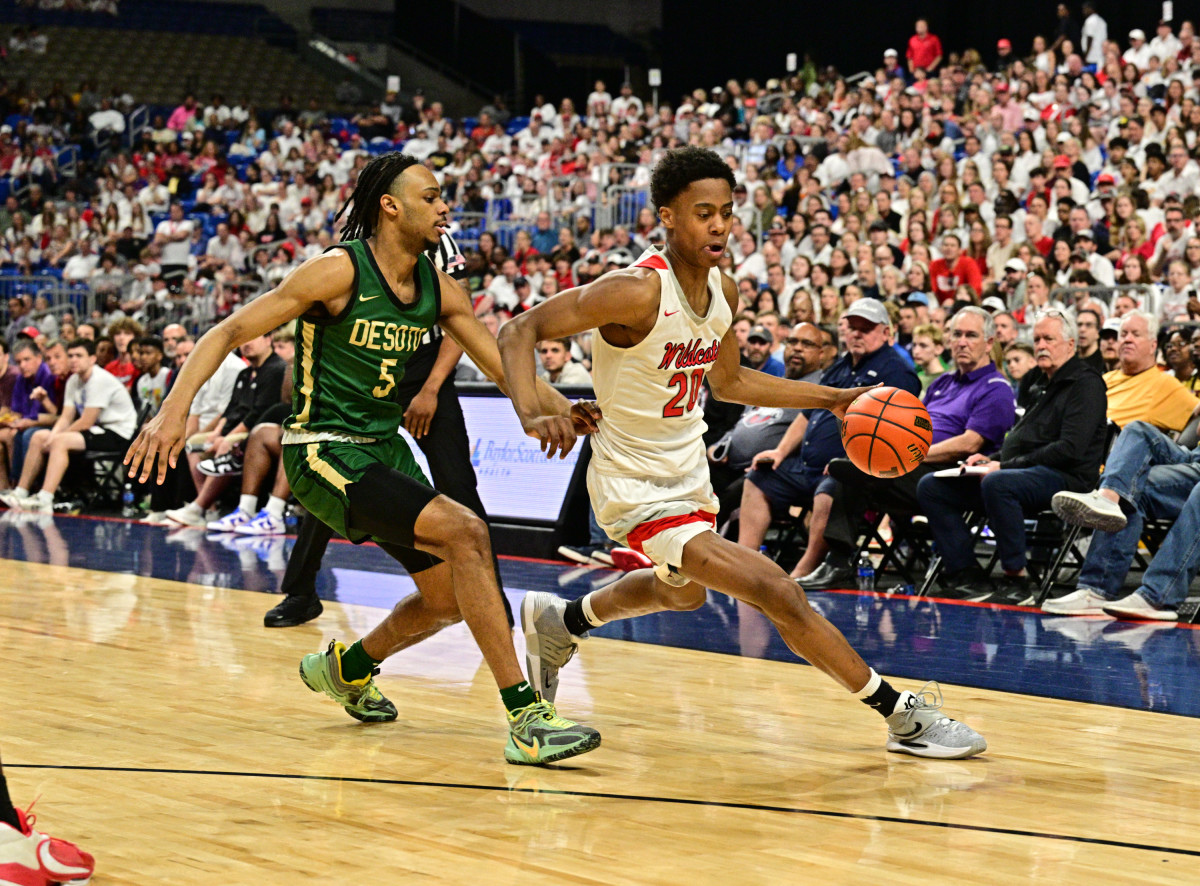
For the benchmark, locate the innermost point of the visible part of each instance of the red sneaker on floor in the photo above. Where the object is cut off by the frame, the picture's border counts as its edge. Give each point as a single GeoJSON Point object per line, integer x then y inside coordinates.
{"type": "Point", "coordinates": [31, 858]}
{"type": "Point", "coordinates": [629, 559]}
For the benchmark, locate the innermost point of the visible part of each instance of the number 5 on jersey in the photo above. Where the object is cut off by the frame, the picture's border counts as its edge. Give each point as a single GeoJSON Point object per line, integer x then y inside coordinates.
{"type": "Point", "coordinates": [685, 387]}
{"type": "Point", "coordinates": [385, 375]}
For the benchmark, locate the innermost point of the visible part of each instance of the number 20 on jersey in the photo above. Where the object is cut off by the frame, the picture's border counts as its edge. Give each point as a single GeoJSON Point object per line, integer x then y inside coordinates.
{"type": "Point", "coordinates": [686, 385]}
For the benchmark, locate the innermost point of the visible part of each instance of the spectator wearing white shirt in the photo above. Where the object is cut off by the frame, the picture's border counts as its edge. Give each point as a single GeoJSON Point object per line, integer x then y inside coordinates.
{"type": "Point", "coordinates": [107, 119]}
{"type": "Point", "coordinates": [599, 103]}
{"type": "Point", "coordinates": [1101, 267]}
{"type": "Point", "coordinates": [1165, 45]}
{"type": "Point", "coordinates": [217, 108]}
{"type": "Point", "coordinates": [288, 139]}
{"type": "Point", "coordinates": [627, 106]}
{"type": "Point", "coordinates": [224, 248]}
{"type": "Point", "coordinates": [1173, 242]}
{"type": "Point", "coordinates": [1093, 36]}
{"type": "Point", "coordinates": [1138, 53]}
{"type": "Point", "coordinates": [209, 405]}
{"type": "Point", "coordinates": [79, 267]}
{"type": "Point", "coordinates": [97, 416]}
{"type": "Point", "coordinates": [1181, 176]}
{"type": "Point", "coordinates": [173, 238]}
{"type": "Point", "coordinates": [155, 197]}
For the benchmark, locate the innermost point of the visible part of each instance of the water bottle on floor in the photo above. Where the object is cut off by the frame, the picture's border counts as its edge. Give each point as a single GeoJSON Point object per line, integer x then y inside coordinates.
{"type": "Point", "coordinates": [128, 502]}
{"type": "Point", "coordinates": [866, 582]}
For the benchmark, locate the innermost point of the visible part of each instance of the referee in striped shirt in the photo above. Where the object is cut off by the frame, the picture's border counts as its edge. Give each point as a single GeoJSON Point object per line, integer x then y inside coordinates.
{"type": "Point", "coordinates": [433, 416]}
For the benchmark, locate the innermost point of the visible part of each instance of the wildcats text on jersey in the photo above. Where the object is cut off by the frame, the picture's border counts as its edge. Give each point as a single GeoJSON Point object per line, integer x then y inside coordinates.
{"type": "Point", "coordinates": [687, 354]}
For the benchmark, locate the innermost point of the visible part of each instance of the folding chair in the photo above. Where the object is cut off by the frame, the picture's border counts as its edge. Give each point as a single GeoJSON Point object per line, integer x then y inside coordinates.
{"type": "Point", "coordinates": [107, 471]}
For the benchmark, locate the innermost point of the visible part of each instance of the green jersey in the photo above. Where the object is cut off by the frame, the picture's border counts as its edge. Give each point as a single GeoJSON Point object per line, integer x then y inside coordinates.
{"type": "Point", "coordinates": [347, 367]}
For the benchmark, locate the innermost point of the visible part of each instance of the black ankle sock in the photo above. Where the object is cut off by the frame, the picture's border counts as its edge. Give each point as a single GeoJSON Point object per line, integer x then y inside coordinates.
{"type": "Point", "coordinates": [575, 620]}
{"type": "Point", "coordinates": [8, 814]}
{"type": "Point", "coordinates": [883, 699]}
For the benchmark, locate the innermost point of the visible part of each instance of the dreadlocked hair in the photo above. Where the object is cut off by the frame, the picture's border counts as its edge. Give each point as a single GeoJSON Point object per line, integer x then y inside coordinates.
{"type": "Point", "coordinates": [362, 206]}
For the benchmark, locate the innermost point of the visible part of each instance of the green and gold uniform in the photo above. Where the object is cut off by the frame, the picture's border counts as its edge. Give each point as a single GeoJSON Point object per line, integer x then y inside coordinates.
{"type": "Point", "coordinates": [345, 415]}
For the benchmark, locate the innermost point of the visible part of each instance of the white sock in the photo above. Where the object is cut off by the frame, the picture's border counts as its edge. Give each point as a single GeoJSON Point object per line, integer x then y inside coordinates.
{"type": "Point", "coordinates": [46, 496]}
{"type": "Point", "coordinates": [192, 508]}
{"type": "Point", "coordinates": [21, 493]}
{"type": "Point", "coordinates": [592, 619]}
{"type": "Point", "coordinates": [873, 683]}
{"type": "Point", "coordinates": [275, 506]}
{"type": "Point", "coordinates": [248, 504]}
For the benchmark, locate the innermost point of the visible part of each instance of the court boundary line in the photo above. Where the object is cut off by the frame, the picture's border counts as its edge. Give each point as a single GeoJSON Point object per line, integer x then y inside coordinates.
{"type": "Point", "coordinates": [603, 795]}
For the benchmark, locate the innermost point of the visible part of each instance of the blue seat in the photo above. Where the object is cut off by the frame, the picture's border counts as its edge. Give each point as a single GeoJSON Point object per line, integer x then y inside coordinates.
{"type": "Point", "coordinates": [515, 125]}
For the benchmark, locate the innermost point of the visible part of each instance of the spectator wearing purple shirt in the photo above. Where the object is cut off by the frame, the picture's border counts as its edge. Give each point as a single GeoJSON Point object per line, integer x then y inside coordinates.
{"type": "Point", "coordinates": [25, 416]}
{"type": "Point", "coordinates": [971, 410]}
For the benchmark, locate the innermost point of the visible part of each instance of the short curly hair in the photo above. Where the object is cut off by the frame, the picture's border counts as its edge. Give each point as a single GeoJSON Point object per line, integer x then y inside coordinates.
{"type": "Point", "coordinates": [682, 166]}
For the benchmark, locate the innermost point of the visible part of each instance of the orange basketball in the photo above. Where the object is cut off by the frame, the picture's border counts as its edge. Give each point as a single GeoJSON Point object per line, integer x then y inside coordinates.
{"type": "Point", "coordinates": [886, 432]}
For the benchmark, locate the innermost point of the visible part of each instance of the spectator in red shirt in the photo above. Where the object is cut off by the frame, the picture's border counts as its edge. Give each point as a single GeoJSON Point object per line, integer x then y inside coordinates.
{"type": "Point", "coordinates": [123, 332]}
{"type": "Point", "coordinates": [952, 270]}
{"type": "Point", "coordinates": [483, 129]}
{"type": "Point", "coordinates": [924, 49]}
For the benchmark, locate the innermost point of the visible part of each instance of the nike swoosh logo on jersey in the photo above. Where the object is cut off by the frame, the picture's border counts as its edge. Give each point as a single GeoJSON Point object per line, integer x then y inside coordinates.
{"type": "Point", "coordinates": [670, 313]}
{"type": "Point", "coordinates": [367, 297]}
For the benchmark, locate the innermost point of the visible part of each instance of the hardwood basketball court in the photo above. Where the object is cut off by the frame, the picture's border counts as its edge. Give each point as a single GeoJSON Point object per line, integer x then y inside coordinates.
{"type": "Point", "coordinates": [169, 734]}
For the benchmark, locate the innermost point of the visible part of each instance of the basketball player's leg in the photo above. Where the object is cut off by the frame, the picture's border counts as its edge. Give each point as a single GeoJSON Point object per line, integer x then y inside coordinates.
{"type": "Point", "coordinates": [403, 513]}
{"type": "Point", "coordinates": [452, 533]}
{"type": "Point", "coordinates": [711, 561]}
{"type": "Point", "coordinates": [29, 856]}
{"type": "Point", "coordinates": [706, 560]}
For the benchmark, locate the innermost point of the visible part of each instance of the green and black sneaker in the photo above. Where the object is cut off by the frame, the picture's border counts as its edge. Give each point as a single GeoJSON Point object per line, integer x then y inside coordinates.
{"type": "Point", "coordinates": [322, 672]}
{"type": "Point", "coordinates": [537, 735]}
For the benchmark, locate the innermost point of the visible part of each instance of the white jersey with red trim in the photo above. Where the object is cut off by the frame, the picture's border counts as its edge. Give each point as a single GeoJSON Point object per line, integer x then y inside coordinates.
{"type": "Point", "coordinates": [650, 393]}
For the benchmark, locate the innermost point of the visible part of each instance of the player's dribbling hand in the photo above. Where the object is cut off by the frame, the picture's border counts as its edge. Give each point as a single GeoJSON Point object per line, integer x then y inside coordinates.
{"type": "Point", "coordinates": [162, 437]}
{"type": "Point", "coordinates": [585, 416]}
{"type": "Point", "coordinates": [556, 433]}
{"type": "Point", "coordinates": [847, 397]}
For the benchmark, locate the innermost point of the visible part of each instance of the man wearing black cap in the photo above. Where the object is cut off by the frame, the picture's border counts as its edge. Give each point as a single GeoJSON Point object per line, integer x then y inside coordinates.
{"type": "Point", "coordinates": [1101, 267]}
{"type": "Point", "coordinates": [759, 343]}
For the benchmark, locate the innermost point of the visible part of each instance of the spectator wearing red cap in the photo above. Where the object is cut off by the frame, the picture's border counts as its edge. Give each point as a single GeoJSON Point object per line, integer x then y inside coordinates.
{"type": "Point", "coordinates": [1004, 56]}
{"type": "Point", "coordinates": [1012, 115]}
{"type": "Point", "coordinates": [924, 49]}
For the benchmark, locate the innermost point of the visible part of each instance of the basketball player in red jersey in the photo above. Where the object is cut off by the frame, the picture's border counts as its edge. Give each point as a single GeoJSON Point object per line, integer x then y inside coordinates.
{"type": "Point", "coordinates": [663, 325]}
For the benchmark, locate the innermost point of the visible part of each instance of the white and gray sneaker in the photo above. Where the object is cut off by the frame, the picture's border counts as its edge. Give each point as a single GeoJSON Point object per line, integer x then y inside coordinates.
{"type": "Point", "coordinates": [921, 729]}
{"type": "Point", "coordinates": [1136, 607]}
{"type": "Point", "coordinates": [13, 498]}
{"type": "Point", "coordinates": [548, 643]}
{"type": "Point", "coordinates": [1089, 509]}
{"type": "Point", "coordinates": [1083, 601]}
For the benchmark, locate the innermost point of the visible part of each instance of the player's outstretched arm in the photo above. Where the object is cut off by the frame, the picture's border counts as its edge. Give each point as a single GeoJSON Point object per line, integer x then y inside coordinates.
{"type": "Point", "coordinates": [326, 279]}
{"type": "Point", "coordinates": [619, 299]}
{"type": "Point", "coordinates": [461, 324]}
{"type": "Point", "coordinates": [735, 383]}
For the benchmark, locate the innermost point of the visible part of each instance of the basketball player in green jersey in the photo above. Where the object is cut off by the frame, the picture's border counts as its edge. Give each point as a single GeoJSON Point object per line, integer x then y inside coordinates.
{"type": "Point", "coordinates": [362, 308]}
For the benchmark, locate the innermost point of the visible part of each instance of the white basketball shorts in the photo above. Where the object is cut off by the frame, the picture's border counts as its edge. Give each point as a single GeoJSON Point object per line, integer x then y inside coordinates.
{"type": "Point", "coordinates": [655, 516]}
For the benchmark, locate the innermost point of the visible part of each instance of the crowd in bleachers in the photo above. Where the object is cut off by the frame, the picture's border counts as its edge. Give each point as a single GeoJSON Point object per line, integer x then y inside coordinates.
{"type": "Point", "coordinates": [1060, 182]}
